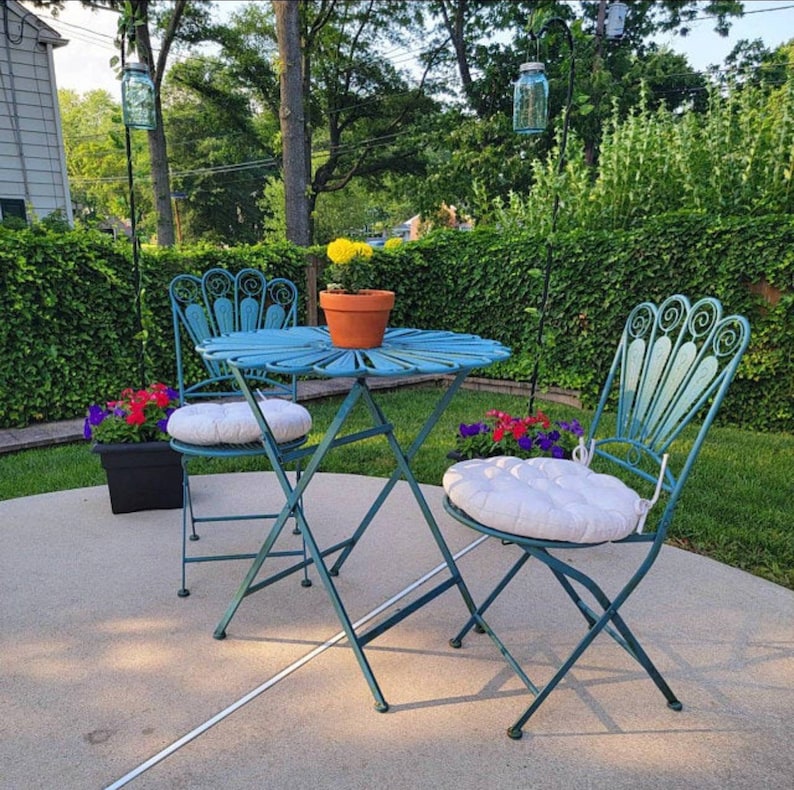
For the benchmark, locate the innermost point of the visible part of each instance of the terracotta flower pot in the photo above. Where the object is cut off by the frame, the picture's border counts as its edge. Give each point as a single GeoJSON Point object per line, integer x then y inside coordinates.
{"type": "Point", "coordinates": [357, 320]}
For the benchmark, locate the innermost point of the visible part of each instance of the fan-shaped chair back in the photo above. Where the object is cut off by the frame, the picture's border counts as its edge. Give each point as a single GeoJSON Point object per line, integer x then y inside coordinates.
{"type": "Point", "coordinates": [673, 363]}
{"type": "Point", "coordinates": [219, 302]}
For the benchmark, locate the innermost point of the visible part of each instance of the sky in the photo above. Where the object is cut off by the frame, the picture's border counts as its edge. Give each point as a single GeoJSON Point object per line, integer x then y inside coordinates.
{"type": "Point", "coordinates": [84, 64]}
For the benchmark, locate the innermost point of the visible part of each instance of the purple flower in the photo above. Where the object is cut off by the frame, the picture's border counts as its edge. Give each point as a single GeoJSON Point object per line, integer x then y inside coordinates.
{"type": "Point", "coordinates": [96, 414]}
{"type": "Point", "coordinates": [525, 442]}
{"type": "Point", "coordinates": [574, 427]}
{"type": "Point", "coordinates": [474, 429]}
{"type": "Point", "coordinates": [545, 442]}
{"type": "Point", "coordinates": [557, 452]}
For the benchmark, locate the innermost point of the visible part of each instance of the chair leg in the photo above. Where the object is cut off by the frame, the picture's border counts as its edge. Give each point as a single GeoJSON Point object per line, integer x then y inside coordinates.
{"type": "Point", "coordinates": [636, 650]}
{"type": "Point", "coordinates": [457, 640]}
{"type": "Point", "coordinates": [187, 501]}
{"type": "Point", "coordinates": [187, 507]}
{"type": "Point", "coordinates": [188, 515]}
{"type": "Point", "coordinates": [623, 636]}
{"type": "Point", "coordinates": [296, 529]}
{"type": "Point", "coordinates": [621, 633]}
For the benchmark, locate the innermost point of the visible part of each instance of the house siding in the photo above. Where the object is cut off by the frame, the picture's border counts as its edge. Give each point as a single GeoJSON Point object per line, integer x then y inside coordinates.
{"type": "Point", "coordinates": [32, 163]}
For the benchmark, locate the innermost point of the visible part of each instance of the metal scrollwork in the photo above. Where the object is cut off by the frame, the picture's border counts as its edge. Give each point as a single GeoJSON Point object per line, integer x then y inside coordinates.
{"type": "Point", "coordinates": [671, 312]}
{"type": "Point", "coordinates": [704, 316]}
{"type": "Point", "coordinates": [185, 290]}
{"type": "Point", "coordinates": [728, 336]}
{"type": "Point", "coordinates": [640, 320]}
{"type": "Point", "coordinates": [250, 284]}
{"type": "Point", "coordinates": [281, 291]}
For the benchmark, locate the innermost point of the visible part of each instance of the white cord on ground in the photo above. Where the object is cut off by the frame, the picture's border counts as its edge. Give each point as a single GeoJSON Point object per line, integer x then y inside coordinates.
{"type": "Point", "coordinates": [218, 717]}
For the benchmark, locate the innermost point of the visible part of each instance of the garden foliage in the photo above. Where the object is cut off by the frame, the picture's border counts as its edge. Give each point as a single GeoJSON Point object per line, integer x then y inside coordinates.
{"type": "Point", "coordinates": [69, 333]}
{"type": "Point", "coordinates": [737, 159]}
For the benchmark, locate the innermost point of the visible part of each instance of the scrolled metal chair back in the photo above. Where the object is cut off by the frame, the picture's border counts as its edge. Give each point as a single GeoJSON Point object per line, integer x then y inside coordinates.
{"type": "Point", "coordinates": [220, 302]}
{"type": "Point", "coordinates": [672, 367]}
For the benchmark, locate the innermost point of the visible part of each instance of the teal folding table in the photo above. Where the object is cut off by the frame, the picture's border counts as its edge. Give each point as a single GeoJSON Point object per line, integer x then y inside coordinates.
{"type": "Point", "coordinates": [308, 351]}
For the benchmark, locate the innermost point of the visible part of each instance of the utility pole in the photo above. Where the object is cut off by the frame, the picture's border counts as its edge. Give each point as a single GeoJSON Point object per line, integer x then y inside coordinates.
{"type": "Point", "coordinates": [599, 31]}
{"type": "Point", "coordinates": [589, 151]}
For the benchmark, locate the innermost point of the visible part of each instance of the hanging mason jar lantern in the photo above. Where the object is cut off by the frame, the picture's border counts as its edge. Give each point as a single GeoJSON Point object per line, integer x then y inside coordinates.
{"type": "Point", "coordinates": [137, 97]}
{"type": "Point", "coordinates": [530, 99]}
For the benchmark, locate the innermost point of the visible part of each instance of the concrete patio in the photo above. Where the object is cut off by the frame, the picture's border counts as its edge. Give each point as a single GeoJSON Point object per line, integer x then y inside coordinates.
{"type": "Point", "coordinates": [106, 672]}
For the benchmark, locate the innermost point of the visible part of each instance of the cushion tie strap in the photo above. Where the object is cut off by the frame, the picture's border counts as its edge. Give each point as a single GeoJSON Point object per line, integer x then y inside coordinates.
{"type": "Point", "coordinates": [644, 505]}
{"type": "Point", "coordinates": [583, 454]}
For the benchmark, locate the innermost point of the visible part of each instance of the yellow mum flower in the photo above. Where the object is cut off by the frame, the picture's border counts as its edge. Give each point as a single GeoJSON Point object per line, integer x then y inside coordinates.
{"type": "Point", "coordinates": [394, 241]}
{"type": "Point", "coordinates": [351, 267]}
{"type": "Point", "coordinates": [341, 251]}
{"type": "Point", "coordinates": [363, 249]}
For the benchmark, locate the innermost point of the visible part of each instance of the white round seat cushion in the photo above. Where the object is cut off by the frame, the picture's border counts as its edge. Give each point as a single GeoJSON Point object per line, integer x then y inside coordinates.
{"type": "Point", "coordinates": [208, 424]}
{"type": "Point", "coordinates": [544, 498]}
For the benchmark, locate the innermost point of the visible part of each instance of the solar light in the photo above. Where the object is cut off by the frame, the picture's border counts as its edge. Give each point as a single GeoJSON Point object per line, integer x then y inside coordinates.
{"type": "Point", "coordinates": [530, 99]}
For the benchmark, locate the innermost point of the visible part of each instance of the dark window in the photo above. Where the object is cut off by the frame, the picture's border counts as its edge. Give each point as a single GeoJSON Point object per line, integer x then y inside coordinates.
{"type": "Point", "coordinates": [12, 208]}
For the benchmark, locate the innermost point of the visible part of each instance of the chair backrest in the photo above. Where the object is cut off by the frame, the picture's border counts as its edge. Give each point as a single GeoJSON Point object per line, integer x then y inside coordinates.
{"type": "Point", "coordinates": [671, 369]}
{"type": "Point", "coordinates": [219, 302]}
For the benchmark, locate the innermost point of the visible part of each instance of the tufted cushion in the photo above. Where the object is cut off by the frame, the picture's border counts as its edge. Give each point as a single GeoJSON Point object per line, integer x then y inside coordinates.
{"type": "Point", "coordinates": [545, 498]}
{"type": "Point", "coordinates": [234, 423]}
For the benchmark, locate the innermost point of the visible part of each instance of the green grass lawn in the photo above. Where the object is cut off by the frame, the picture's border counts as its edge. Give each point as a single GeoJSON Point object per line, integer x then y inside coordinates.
{"type": "Point", "coordinates": [736, 508]}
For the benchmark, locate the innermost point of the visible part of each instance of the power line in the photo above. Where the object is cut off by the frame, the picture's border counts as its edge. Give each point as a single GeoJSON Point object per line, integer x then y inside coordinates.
{"type": "Point", "coordinates": [271, 162]}
{"type": "Point", "coordinates": [747, 13]}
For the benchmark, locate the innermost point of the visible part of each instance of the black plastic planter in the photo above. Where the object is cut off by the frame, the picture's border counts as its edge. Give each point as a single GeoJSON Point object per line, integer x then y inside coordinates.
{"type": "Point", "coordinates": [145, 476]}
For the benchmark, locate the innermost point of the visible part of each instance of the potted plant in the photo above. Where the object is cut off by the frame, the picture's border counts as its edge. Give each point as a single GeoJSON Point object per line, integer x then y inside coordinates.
{"type": "Point", "coordinates": [500, 433]}
{"type": "Point", "coordinates": [130, 436]}
{"type": "Point", "coordinates": [356, 314]}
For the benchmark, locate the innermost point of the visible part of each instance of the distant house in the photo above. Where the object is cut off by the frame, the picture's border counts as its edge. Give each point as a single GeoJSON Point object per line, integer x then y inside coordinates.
{"type": "Point", "coordinates": [413, 228]}
{"type": "Point", "coordinates": [33, 180]}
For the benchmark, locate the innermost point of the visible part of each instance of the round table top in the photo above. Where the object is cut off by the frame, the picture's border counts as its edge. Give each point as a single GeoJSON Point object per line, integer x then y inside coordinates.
{"type": "Point", "coordinates": [308, 350]}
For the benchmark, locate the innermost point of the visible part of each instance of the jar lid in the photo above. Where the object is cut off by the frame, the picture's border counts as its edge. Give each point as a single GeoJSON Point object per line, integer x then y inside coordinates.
{"type": "Point", "coordinates": [136, 67]}
{"type": "Point", "coordinates": [532, 67]}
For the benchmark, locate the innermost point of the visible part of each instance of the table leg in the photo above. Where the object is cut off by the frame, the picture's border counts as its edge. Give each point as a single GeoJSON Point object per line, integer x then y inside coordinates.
{"type": "Point", "coordinates": [380, 426]}
{"type": "Point", "coordinates": [403, 470]}
{"type": "Point", "coordinates": [400, 471]}
{"type": "Point", "coordinates": [292, 505]}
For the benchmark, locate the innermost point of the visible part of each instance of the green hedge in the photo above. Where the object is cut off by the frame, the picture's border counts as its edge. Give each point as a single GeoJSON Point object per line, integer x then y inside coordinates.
{"type": "Point", "coordinates": [483, 282]}
{"type": "Point", "coordinates": [68, 334]}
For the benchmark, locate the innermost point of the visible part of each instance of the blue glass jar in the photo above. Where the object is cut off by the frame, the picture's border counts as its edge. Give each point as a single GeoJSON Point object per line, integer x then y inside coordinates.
{"type": "Point", "coordinates": [137, 97]}
{"type": "Point", "coordinates": [530, 99]}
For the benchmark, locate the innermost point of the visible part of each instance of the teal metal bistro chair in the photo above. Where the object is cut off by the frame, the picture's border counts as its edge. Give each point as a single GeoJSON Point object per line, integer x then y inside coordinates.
{"type": "Point", "coordinates": [672, 367]}
{"type": "Point", "coordinates": [213, 421]}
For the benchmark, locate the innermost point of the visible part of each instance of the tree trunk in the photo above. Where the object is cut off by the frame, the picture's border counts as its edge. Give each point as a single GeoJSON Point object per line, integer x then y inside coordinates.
{"type": "Point", "coordinates": [158, 153]}
{"type": "Point", "coordinates": [293, 122]}
{"type": "Point", "coordinates": [161, 182]}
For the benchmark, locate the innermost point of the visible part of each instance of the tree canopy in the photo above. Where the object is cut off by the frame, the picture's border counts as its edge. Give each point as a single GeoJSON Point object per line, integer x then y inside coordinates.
{"type": "Point", "coordinates": [407, 104]}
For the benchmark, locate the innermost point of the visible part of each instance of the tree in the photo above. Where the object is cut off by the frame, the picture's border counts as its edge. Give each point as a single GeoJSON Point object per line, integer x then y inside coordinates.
{"type": "Point", "coordinates": [359, 109]}
{"type": "Point", "coordinates": [295, 133]}
{"type": "Point", "coordinates": [219, 154]}
{"type": "Point", "coordinates": [136, 20]}
{"type": "Point", "coordinates": [95, 157]}
{"type": "Point", "coordinates": [489, 39]}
